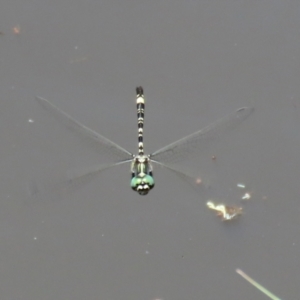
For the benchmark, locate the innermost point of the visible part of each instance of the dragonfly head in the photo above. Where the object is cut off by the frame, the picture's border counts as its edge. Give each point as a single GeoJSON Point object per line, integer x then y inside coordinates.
{"type": "Point", "coordinates": [143, 184]}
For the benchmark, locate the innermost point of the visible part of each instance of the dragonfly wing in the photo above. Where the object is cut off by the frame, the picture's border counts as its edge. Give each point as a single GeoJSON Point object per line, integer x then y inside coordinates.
{"type": "Point", "coordinates": [189, 177]}
{"type": "Point", "coordinates": [199, 139]}
{"type": "Point", "coordinates": [78, 175]}
{"type": "Point", "coordinates": [73, 180]}
{"type": "Point", "coordinates": [102, 142]}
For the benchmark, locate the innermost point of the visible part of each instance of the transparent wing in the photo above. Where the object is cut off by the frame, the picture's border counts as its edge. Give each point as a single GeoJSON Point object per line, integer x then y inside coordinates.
{"type": "Point", "coordinates": [199, 139]}
{"type": "Point", "coordinates": [102, 142]}
{"type": "Point", "coordinates": [74, 179]}
{"type": "Point", "coordinates": [187, 175]}
{"type": "Point", "coordinates": [78, 175]}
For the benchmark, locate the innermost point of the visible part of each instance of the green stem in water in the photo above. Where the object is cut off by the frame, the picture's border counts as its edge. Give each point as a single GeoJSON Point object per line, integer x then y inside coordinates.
{"type": "Point", "coordinates": [257, 285]}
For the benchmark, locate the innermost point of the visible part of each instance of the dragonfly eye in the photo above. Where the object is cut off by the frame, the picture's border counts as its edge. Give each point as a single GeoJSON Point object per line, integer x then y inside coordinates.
{"type": "Point", "coordinates": [142, 185]}
{"type": "Point", "coordinates": [135, 182]}
{"type": "Point", "coordinates": [148, 180]}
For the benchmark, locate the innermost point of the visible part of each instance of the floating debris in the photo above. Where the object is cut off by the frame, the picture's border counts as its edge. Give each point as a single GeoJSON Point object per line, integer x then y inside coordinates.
{"type": "Point", "coordinates": [17, 29]}
{"type": "Point", "coordinates": [246, 196]}
{"type": "Point", "coordinates": [78, 60]}
{"type": "Point", "coordinates": [198, 180]}
{"type": "Point", "coordinates": [241, 185]}
{"type": "Point", "coordinates": [30, 120]}
{"type": "Point", "coordinates": [225, 211]}
{"type": "Point", "coordinates": [257, 285]}
{"type": "Point", "coordinates": [213, 157]}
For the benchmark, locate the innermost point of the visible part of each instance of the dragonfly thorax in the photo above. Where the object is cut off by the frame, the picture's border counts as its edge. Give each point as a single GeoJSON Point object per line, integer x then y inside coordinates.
{"type": "Point", "coordinates": [141, 158]}
{"type": "Point", "coordinates": [142, 178]}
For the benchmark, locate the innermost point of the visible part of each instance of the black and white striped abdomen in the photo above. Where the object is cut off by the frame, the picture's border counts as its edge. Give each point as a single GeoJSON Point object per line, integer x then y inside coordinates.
{"type": "Point", "coordinates": [140, 104]}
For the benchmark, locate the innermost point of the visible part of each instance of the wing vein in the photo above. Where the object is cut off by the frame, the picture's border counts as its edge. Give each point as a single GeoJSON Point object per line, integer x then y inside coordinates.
{"type": "Point", "coordinates": [199, 138]}
{"type": "Point", "coordinates": [85, 131]}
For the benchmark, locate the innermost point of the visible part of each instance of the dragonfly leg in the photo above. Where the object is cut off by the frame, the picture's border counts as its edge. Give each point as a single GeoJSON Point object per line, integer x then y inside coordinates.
{"type": "Point", "coordinates": [150, 169]}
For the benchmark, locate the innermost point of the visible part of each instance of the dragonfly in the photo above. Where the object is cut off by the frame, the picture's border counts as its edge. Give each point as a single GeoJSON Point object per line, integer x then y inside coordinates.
{"type": "Point", "coordinates": [141, 164]}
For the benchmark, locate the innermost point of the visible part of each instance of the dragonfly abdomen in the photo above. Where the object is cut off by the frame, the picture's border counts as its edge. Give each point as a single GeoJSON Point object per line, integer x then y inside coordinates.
{"type": "Point", "coordinates": [140, 104]}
